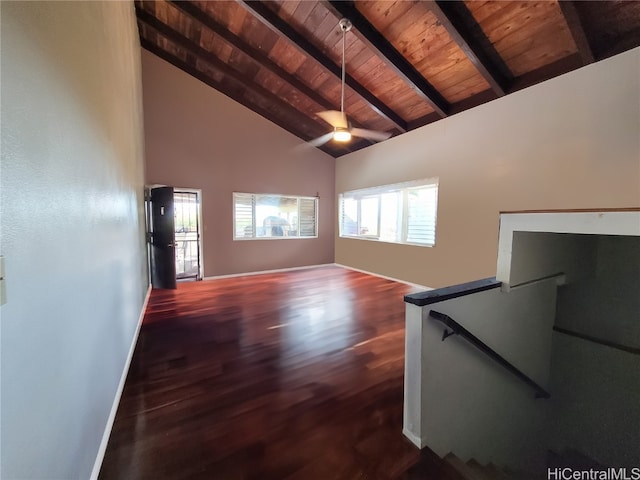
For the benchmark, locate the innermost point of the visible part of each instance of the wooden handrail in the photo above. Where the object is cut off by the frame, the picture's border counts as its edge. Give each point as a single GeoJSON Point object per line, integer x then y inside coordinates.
{"type": "Point", "coordinates": [423, 299]}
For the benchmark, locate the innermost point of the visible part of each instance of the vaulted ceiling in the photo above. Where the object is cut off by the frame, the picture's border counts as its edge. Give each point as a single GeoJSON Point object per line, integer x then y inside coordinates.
{"type": "Point", "coordinates": [408, 63]}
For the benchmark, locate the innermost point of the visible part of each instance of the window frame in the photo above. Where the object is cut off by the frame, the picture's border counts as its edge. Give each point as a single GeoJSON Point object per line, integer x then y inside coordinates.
{"type": "Point", "coordinates": [253, 214]}
{"type": "Point", "coordinates": [402, 189]}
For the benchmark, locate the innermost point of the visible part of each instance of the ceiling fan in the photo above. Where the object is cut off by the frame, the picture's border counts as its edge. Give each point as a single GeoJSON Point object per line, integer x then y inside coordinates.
{"type": "Point", "coordinates": [342, 129]}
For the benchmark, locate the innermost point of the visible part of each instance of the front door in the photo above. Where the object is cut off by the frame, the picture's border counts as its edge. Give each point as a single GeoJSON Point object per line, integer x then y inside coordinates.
{"type": "Point", "coordinates": [163, 244]}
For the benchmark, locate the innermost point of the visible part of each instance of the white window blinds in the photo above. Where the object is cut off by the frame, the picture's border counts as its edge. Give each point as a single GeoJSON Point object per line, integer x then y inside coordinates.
{"type": "Point", "coordinates": [308, 216]}
{"type": "Point", "coordinates": [399, 213]}
{"type": "Point", "coordinates": [272, 216]}
{"type": "Point", "coordinates": [243, 215]}
{"type": "Point", "coordinates": [421, 214]}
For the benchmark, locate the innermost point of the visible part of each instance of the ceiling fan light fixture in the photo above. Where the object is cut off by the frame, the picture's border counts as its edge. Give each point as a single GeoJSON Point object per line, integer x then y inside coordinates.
{"type": "Point", "coordinates": [341, 135]}
{"type": "Point", "coordinates": [342, 129]}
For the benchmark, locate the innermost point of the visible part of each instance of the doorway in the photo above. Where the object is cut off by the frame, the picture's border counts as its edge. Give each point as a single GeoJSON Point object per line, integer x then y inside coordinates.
{"type": "Point", "coordinates": [188, 245]}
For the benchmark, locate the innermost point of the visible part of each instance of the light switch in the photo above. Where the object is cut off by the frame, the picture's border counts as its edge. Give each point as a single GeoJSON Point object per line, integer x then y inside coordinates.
{"type": "Point", "coordinates": [3, 283]}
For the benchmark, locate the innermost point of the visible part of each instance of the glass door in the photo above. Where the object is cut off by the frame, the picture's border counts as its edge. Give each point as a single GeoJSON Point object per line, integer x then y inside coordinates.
{"type": "Point", "coordinates": [187, 234]}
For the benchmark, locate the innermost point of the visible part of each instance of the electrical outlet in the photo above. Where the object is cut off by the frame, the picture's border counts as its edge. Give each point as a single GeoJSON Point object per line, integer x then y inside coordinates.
{"type": "Point", "coordinates": [3, 283]}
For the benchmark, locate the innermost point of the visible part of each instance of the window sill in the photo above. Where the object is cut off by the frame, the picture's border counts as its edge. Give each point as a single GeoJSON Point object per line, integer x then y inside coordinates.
{"type": "Point", "coordinates": [376, 240]}
{"type": "Point", "coordinates": [272, 238]}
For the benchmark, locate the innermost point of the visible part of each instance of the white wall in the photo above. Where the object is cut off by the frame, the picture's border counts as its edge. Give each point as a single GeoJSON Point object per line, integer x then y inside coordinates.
{"type": "Point", "coordinates": [571, 142]}
{"type": "Point", "coordinates": [459, 400]}
{"type": "Point", "coordinates": [72, 232]}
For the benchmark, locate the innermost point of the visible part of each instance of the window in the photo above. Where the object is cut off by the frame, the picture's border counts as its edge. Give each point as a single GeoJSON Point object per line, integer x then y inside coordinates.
{"type": "Point", "coordinates": [400, 213]}
{"type": "Point", "coordinates": [258, 216]}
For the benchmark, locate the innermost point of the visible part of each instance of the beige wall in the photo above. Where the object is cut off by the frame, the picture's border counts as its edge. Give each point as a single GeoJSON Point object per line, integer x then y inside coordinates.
{"type": "Point", "coordinates": [572, 142]}
{"type": "Point", "coordinates": [197, 137]}
{"type": "Point", "coordinates": [72, 228]}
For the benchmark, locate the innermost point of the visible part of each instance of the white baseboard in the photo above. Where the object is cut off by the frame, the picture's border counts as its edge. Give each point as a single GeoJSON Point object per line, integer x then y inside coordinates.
{"type": "Point", "coordinates": [417, 441]}
{"type": "Point", "coordinates": [281, 270]}
{"type": "Point", "coordinates": [415, 285]}
{"type": "Point", "coordinates": [261, 272]}
{"type": "Point", "coordinates": [116, 401]}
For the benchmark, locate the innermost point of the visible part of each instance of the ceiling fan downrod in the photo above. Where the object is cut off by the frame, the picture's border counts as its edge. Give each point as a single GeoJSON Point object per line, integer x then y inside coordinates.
{"type": "Point", "coordinates": [345, 26]}
{"type": "Point", "coordinates": [342, 129]}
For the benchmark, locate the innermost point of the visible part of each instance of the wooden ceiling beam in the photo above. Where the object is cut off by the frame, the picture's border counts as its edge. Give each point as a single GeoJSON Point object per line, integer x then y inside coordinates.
{"type": "Point", "coordinates": [462, 27]}
{"type": "Point", "coordinates": [628, 41]}
{"type": "Point", "coordinates": [188, 45]}
{"type": "Point", "coordinates": [373, 39]}
{"type": "Point", "coordinates": [473, 101]}
{"type": "Point", "coordinates": [256, 54]}
{"type": "Point", "coordinates": [571, 16]}
{"type": "Point", "coordinates": [282, 28]}
{"type": "Point", "coordinates": [547, 72]}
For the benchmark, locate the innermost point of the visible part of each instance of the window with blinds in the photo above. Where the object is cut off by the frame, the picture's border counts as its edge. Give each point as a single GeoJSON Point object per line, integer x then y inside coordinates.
{"type": "Point", "coordinates": [269, 216]}
{"type": "Point", "coordinates": [400, 213]}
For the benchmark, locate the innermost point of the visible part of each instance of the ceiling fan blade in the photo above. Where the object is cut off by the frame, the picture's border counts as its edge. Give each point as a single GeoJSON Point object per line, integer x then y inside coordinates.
{"type": "Point", "coordinates": [334, 118]}
{"type": "Point", "coordinates": [318, 142]}
{"type": "Point", "coordinates": [370, 134]}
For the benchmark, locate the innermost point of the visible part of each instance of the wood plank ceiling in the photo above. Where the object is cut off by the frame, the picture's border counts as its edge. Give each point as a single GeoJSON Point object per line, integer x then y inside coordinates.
{"type": "Point", "coordinates": [409, 63]}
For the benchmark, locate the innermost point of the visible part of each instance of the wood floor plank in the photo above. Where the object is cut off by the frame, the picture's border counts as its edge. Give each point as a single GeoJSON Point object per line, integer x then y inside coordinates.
{"type": "Point", "coordinates": [295, 375]}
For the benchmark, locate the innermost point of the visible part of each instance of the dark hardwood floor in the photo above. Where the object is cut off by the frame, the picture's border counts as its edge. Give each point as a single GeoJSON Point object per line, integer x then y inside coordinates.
{"type": "Point", "coordinates": [295, 375]}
